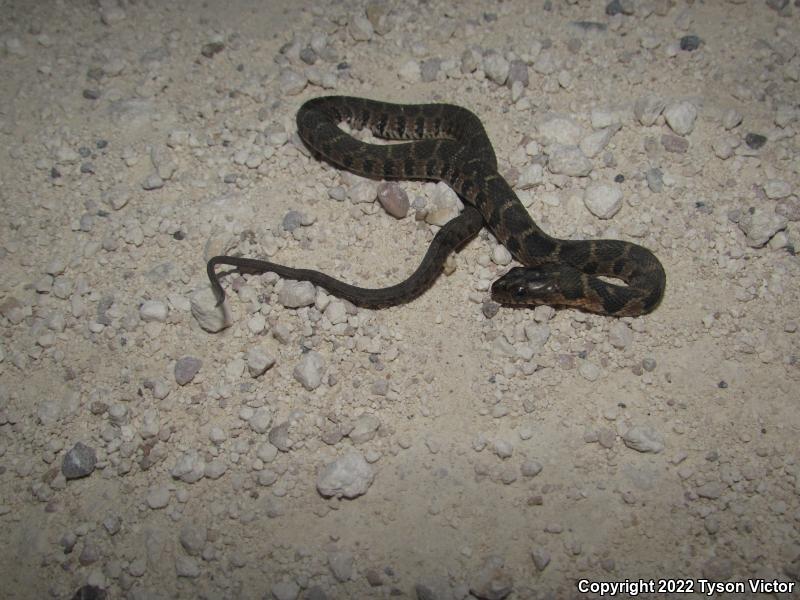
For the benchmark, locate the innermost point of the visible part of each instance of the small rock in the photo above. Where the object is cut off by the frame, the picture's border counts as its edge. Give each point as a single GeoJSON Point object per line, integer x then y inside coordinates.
{"type": "Point", "coordinates": [79, 461]}
{"type": "Point", "coordinates": [292, 220]}
{"type": "Point", "coordinates": [642, 439]}
{"type": "Point", "coordinates": [620, 335]}
{"type": "Point", "coordinates": [309, 370]}
{"type": "Point", "coordinates": [363, 192]}
{"type": "Point", "coordinates": [410, 72]}
{"type": "Point", "coordinates": [158, 497]}
{"type": "Point", "coordinates": [341, 565]}
{"type": "Point", "coordinates": [531, 175]}
{"type": "Point", "coordinates": [360, 29]}
{"type": "Point", "coordinates": [336, 312]}
{"type": "Point", "coordinates": [153, 182]}
{"type": "Point", "coordinates": [680, 116]}
{"type": "Point", "coordinates": [186, 567]}
{"type": "Point", "coordinates": [501, 256]}
{"type": "Point", "coordinates": [186, 368]}
{"type": "Point", "coordinates": [546, 63]}
{"type": "Point", "coordinates": [258, 361]}
{"type": "Point", "coordinates": [732, 118]}
{"type": "Point", "coordinates": [153, 310]}
{"type": "Point", "coordinates": [193, 538]}
{"type": "Point", "coordinates": [690, 43]}
{"type": "Point", "coordinates": [789, 208]}
{"type": "Point", "coordinates": [603, 200]}
{"type": "Point", "coordinates": [374, 578]}
{"type": "Point", "coordinates": [674, 143]}
{"type": "Point", "coordinates": [755, 141]}
{"type": "Point", "coordinates": [491, 582]}
{"type": "Point", "coordinates": [295, 294]}
{"type": "Point", "coordinates": [364, 429]}
{"type": "Point", "coordinates": [518, 73]}
{"type": "Point", "coordinates": [503, 448]}
{"type": "Point", "coordinates": [490, 309]}
{"type": "Point", "coordinates": [212, 48]}
{"type": "Point", "coordinates": [496, 67]}
{"type": "Point", "coordinates": [348, 476]}
{"type": "Point", "coordinates": [541, 558]}
{"type": "Point", "coordinates": [378, 15]}
{"type": "Point", "coordinates": [217, 436]}
{"type": "Point", "coordinates": [279, 437]}
{"type": "Point", "coordinates": [537, 334]}
{"type": "Point", "coordinates": [215, 469]}
{"type": "Point", "coordinates": [292, 82]}
{"type": "Point", "coordinates": [315, 593]}
{"type": "Point", "coordinates": [560, 130]}
{"type": "Point", "coordinates": [208, 315]}
{"type": "Point", "coordinates": [266, 453]}
{"type": "Point", "coordinates": [90, 592]}
{"type": "Point", "coordinates": [531, 468]}
{"type": "Point", "coordinates": [759, 225]}
{"type": "Point", "coordinates": [394, 199]}
{"type": "Point", "coordinates": [655, 180]}
{"type": "Point", "coordinates": [711, 490]}
{"type": "Point", "coordinates": [647, 109]}
{"type": "Point", "coordinates": [285, 590]}
{"type": "Point", "coordinates": [724, 146]}
{"type": "Point", "coordinates": [568, 160]}
{"type": "Point", "coordinates": [619, 7]}
{"type": "Point", "coordinates": [777, 188]}
{"type": "Point", "coordinates": [594, 143]}
{"type": "Point", "coordinates": [470, 60]}
{"type": "Point", "coordinates": [589, 370]}
{"type": "Point", "coordinates": [190, 467]}
{"type": "Point", "coordinates": [429, 70]}
{"type": "Point", "coordinates": [260, 420]}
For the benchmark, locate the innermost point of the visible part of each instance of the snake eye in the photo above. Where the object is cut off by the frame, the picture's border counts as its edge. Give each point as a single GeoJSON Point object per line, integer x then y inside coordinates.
{"type": "Point", "coordinates": [520, 292]}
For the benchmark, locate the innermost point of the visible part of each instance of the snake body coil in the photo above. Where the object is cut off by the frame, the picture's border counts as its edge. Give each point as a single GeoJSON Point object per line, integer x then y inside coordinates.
{"type": "Point", "coordinates": [451, 145]}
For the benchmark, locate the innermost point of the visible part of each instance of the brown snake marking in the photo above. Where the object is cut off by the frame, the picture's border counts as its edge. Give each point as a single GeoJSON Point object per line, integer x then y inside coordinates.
{"type": "Point", "coordinates": [451, 145]}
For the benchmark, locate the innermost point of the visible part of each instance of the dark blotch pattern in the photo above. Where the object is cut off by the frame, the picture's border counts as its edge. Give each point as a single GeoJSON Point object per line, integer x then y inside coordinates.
{"type": "Point", "coordinates": [449, 143]}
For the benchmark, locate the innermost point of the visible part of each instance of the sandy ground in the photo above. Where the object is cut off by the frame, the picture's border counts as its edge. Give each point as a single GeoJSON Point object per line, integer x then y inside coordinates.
{"type": "Point", "coordinates": [487, 454]}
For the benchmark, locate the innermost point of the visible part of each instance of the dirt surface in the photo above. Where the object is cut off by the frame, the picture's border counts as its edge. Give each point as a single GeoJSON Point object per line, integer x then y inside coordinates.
{"type": "Point", "coordinates": [444, 449]}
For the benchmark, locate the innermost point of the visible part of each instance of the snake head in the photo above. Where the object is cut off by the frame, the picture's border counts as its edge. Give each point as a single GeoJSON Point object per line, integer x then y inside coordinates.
{"type": "Point", "coordinates": [529, 286]}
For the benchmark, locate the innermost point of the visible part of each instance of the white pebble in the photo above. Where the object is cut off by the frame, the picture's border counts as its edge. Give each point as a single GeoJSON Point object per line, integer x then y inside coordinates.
{"type": "Point", "coordinates": [774, 189]}
{"type": "Point", "coordinates": [158, 497]}
{"type": "Point", "coordinates": [363, 192]}
{"type": "Point", "coordinates": [594, 143]}
{"type": "Point", "coordinates": [210, 317]}
{"type": "Point", "coordinates": [642, 439]}
{"type": "Point", "coordinates": [295, 294]}
{"type": "Point", "coordinates": [153, 310]}
{"type": "Point", "coordinates": [681, 116]}
{"type": "Point", "coordinates": [410, 72]}
{"type": "Point", "coordinates": [349, 476]}
{"type": "Point", "coordinates": [501, 256]}
{"type": "Point", "coordinates": [602, 199]}
{"type": "Point", "coordinates": [309, 370]}
{"type": "Point", "coordinates": [258, 361]}
{"type": "Point", "coordinates": [257, 323]}
{"type": "Point", "coordinates": [503, 448]}
{"type": "Point", "coordinates": [531, 175]}
{"type": "Point", "coordinates": [589, 370]}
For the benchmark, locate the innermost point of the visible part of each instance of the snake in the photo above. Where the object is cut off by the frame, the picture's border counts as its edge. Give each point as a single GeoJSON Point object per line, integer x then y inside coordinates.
{"type": "Point", "coordinates": [445, 142]}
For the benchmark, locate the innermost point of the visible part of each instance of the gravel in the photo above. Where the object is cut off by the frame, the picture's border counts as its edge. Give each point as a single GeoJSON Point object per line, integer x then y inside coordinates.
{"type": "Point", "coordinates": [293, 420]}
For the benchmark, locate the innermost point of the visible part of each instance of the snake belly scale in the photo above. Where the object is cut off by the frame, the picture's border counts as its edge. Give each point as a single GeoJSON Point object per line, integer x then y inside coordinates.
{"type": "Point", "coordinates": [450, 144]}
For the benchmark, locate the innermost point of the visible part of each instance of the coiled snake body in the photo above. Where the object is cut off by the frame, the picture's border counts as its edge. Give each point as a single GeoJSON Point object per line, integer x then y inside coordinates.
{"type": "Point", "coordinates": [451, 145]}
